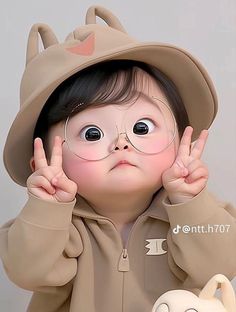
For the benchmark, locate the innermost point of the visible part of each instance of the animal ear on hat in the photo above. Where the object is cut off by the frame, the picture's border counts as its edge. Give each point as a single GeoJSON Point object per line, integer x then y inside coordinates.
{"type": "Point", "coordinates": [48, 38]}
{"type": "Point", "coordinates": [228, 295]}
{"type": "Point", "coordinates": [104, 14]}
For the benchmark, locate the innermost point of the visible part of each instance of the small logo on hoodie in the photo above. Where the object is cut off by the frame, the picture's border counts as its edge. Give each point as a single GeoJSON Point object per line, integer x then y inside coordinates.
{"type": "Point", "coordinates": [155, 247]}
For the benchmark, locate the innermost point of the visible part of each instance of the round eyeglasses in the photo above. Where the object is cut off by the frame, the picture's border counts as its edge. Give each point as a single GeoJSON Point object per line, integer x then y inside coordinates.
{"type": "Point", "coordinates": [150, 128]}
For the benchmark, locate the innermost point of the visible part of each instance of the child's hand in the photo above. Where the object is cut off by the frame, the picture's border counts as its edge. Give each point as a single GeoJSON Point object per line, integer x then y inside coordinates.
{"type": "Point", "coordinates": [49, 182]}
{"type": "Point", "coordinates": [188, 175]}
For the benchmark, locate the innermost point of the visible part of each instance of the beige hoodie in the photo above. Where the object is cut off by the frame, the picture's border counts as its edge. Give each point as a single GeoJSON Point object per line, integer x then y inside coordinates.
{"type": "Point", "coordinates": [74, 260]}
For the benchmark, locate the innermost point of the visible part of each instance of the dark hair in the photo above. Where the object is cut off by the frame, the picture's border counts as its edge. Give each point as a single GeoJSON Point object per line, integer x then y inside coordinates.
{"type": "Point", "coordinates": [95, 86]}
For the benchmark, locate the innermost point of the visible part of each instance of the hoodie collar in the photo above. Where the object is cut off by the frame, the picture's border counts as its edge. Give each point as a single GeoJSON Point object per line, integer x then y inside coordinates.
{"type": "Point", "coordinates": [155, 210]}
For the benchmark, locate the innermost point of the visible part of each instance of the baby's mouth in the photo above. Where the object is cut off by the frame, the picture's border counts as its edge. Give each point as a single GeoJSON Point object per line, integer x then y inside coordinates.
{"type": "Point", "coordinates": [123, 163]}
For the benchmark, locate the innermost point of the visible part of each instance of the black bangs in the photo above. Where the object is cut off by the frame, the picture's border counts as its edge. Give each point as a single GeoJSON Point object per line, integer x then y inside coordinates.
{"type": "Point", "coordinates": [110, 82]}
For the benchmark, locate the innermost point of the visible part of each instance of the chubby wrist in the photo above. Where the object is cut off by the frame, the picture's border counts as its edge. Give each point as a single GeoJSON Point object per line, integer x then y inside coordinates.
{"type": "Point", "coordinates": [179, 199]}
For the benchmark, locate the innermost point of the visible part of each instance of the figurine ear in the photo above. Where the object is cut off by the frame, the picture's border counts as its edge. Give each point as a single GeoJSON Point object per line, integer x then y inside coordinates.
{"type": "Point", "coordinates": [47, 36]}
{"type": "Point", "coordinates": [228, 295]}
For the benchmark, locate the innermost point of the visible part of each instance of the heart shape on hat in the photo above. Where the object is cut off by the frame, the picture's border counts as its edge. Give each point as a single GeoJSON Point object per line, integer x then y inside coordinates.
{"type": "Point", "coordinates": [85, 47]}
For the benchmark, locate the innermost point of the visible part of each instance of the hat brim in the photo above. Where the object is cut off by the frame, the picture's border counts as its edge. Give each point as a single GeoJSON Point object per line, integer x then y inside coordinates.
{"type": "Point", "coordinates": [191, 79]}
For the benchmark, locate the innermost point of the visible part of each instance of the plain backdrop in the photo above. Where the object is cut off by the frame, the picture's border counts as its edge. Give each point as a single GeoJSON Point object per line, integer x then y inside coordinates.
{"type": "Point", "coordinates": [207, 29]}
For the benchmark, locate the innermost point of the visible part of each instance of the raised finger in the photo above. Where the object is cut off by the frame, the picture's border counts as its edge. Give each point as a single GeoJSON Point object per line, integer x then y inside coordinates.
{"type": "Point", "coordinates": [185, 143]}
{"type": "Point", "coordinates": [56, 157]}
{"type": "Point", "coordinates": [199, 145]}
{"type": "Point", "coordinates": [39, 154]}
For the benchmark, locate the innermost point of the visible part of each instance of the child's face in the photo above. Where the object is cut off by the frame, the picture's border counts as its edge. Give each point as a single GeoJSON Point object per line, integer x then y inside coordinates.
{"type": "Point", "coordinates": [99, 177]}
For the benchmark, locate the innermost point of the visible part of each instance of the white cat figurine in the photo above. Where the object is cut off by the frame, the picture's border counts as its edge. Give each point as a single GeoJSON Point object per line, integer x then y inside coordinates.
{"type": "Point", "coordinates": [186, 301]}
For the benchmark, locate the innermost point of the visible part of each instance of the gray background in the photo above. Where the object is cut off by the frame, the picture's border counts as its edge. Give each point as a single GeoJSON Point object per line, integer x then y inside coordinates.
{"type": "Point", "coordinates": [207, 29]}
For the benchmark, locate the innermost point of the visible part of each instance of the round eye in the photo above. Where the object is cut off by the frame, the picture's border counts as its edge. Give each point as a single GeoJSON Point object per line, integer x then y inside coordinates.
{"type": "Point", "coordinates": [162, 308]}
{"type": "Point", "coordinates": [143, 126]}
{"type": "Point", "coordinates": [91, 133]}
{"type": "Point", "coordinates": [191, 310]}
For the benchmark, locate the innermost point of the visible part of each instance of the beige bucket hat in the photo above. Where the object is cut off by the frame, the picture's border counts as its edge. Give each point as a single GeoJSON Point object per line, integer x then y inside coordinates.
{"type": "Point", "coordinates": [85, 46]}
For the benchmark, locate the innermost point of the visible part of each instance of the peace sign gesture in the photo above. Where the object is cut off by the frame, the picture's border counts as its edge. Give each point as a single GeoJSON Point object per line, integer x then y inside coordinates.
{"type": "Point", "coordinates": [188, 174]}
{"type": "Point", "coordinates": [49, 181]}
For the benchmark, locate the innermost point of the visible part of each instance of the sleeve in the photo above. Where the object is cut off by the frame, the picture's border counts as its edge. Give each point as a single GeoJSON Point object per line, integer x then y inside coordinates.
{"type": "Point", "coordinates": [202, 239]}
{"type": "Point", "coordinates": [39, 247]}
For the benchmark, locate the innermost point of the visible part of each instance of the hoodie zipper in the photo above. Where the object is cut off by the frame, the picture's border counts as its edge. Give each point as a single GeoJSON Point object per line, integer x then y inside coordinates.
{"type": "Point", "coordinates": [123, 265]}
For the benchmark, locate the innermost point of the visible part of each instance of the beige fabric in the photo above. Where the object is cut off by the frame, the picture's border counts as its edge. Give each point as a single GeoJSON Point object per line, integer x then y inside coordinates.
{"type": "Point", "coordinates": [73, 259]}
{"type": "Point", "coordinates": [88, 45]}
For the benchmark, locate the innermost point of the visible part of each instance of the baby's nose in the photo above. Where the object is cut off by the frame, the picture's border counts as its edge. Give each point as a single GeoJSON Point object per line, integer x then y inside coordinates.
{"type": "Point", "coordinates": [123, 142]}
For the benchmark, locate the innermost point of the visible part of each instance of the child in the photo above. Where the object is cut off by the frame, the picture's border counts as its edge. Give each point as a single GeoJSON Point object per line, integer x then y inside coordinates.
{"type": "Point", "coordinates": [115, 178]}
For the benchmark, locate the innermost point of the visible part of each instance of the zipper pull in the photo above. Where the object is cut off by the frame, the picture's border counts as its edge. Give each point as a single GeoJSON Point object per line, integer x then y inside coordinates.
{"type": "Point", "coordinates": [124, 261]}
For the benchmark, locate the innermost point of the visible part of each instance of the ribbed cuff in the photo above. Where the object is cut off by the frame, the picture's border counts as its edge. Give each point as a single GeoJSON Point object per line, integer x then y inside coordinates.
{"type": "Point", "coordinates": [195, 211]}
{"type": "Point", "coordinates": [45, 213]}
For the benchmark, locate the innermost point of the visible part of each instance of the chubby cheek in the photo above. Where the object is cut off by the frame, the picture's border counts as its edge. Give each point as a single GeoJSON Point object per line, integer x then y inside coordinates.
{"type": "Point", "coordinates": [156, 165]}
{"type": "Point", "coordinates": [82, 172]}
